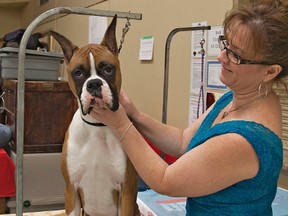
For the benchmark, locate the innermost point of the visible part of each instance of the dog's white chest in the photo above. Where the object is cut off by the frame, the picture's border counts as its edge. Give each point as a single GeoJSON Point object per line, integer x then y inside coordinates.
{"type": "Point", "coordinates": [96, 165]}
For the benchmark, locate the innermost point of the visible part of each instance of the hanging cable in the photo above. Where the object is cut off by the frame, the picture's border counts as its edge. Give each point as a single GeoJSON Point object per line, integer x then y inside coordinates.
{"type": "Point", "coordinates": [201, 91]}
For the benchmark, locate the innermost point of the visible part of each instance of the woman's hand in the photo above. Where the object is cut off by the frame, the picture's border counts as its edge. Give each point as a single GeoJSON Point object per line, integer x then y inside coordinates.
{"type": "Point", "coordinates": [112, 119]}
{"type": "Point", "coordinates": [118, 119]}
{"type": "Point", "coordinates": [130, 108]}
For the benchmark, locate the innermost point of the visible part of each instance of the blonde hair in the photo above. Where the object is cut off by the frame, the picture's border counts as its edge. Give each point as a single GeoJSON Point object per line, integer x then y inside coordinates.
{"type": "Point", "coordinates": [267, 24]}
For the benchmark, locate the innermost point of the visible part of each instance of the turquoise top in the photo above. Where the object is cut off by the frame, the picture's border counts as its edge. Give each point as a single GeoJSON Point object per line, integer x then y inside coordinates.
{"type": "Point", "coordinates": [248, 197]}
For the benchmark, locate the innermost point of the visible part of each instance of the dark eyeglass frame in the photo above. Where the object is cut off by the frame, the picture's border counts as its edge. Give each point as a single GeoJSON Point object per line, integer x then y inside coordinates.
{"type": "Point", "coordinates": [223, 43]}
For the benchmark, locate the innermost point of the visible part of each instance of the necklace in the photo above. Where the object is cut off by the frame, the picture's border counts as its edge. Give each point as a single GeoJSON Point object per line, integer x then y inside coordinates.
{"type": "Point", "coordinates": [226, 113]}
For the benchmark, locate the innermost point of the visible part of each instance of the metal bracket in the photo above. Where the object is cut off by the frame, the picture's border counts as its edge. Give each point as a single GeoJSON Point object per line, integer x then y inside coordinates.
{"type": "Point", "coordinates": [166, 66]}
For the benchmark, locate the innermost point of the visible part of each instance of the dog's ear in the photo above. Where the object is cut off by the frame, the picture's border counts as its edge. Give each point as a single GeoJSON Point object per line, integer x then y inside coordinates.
{"type": "Point", "coordinates": [67, 46]}
{"type": "Point", "coordinates": [109, 39]}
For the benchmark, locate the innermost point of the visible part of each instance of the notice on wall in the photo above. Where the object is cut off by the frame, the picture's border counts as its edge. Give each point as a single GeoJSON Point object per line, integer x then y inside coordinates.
{"type": "Point", "coordinates": [195, 108]}
{"type": "Point", "coordinates": [97, 29]}
{"type": "Point", "coordinates": [213, 73]}
{"type": "Point", "coordinates": [146, 48]}
{"type": "Point", "coordinates": [213, 35]}
{"type": "Point", "coordinates": [195, 75]}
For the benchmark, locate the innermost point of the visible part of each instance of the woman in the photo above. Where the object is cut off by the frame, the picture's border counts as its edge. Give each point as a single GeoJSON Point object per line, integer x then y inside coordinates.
{"type": "Point", "coordinates": [230, 158]}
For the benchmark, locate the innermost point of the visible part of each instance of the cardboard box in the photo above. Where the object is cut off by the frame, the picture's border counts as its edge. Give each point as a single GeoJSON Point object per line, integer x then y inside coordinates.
{"type": "Point", "coordinates": [39, 65]}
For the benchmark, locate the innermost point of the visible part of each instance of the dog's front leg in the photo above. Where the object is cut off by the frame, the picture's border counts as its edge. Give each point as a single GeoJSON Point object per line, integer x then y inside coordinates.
{"type": "Point", "coordinates": [129, 192]}
{"type": "Point", "coordinates": [72, 200]}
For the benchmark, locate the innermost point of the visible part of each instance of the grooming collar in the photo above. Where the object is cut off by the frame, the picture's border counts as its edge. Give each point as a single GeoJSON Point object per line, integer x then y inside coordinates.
{"type": "Point", "coordinates": [97, 124]}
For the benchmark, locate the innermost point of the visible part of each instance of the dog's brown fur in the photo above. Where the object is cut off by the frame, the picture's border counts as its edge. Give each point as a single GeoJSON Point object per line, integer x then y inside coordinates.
{"type": "Point", "coordinates": [124, 199]}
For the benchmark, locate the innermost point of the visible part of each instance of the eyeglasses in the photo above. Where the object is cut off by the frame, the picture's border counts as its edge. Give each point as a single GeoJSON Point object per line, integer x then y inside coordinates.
{"type": "Point", "coordinates": [232, 56]}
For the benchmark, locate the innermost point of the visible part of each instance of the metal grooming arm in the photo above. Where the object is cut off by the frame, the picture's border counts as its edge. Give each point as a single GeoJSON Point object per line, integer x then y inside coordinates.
{"type": "Point", "coordinates": [166, 66]}
{"type": "Point", "coordinates": [21, 83]}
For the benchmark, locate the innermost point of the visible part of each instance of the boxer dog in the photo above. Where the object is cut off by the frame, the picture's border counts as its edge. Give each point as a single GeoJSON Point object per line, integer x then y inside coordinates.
{"type": "Point", "coordinates": [99, 176]}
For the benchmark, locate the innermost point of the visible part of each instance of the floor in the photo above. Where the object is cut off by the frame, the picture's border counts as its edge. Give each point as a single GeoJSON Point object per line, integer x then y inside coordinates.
{"type": "Point", "coordinates": [44, 213]}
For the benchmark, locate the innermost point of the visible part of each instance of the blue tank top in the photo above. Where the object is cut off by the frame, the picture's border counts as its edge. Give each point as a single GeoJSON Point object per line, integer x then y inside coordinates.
{"type": "Point", "coordinates": [249, 197]}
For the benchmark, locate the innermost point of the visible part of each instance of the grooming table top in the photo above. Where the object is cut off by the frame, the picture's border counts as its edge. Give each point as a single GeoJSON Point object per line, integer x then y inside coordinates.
{"type": "Point", "coordinates": [153, 204]}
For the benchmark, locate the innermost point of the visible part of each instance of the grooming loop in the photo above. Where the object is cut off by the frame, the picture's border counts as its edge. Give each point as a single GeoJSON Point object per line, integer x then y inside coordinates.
{"type": "Point", "coordinates": [124, 32]}
{"type": "Point", "coordinates": [21, 82]}
{"type": "Point", "coordinates": [201, 91]}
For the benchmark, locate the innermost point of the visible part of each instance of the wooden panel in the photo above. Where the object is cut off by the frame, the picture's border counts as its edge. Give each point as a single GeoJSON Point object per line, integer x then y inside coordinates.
{"type": "Point", "coordinates": [49, 108]}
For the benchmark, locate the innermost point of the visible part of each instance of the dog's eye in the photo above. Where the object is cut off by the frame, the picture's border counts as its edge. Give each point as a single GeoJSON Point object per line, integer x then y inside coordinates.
{"type": "Point", "coordinates": [77, 73]}
{"type": "Point", "coordinates": [108, 69]}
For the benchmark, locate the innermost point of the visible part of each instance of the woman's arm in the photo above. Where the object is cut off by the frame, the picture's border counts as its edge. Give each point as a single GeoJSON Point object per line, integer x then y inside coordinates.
{"type": "Point", "coordinates": [212, 166]}
{"type": "Point", "coordinates": [216, 164]}
{"type": "Point", "coordinates": [170, 140]}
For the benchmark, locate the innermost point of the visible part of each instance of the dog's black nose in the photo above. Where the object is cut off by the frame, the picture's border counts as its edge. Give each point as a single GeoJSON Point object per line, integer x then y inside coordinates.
{"type": "Point", "coordinates": [94, 87]}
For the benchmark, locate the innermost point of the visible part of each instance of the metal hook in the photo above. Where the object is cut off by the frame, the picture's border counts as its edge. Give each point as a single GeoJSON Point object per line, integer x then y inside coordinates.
{"type": "Point", "coordinates": [202, 42]}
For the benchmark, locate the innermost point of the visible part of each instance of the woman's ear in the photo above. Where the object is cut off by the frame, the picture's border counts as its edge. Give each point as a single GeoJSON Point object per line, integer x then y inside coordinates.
{"type": "Point", "coordinates": [272, 72]}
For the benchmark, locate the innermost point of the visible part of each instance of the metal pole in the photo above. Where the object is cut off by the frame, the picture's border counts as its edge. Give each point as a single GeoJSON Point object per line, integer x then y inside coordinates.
{"type": "Point", "coordinates": [21, 83]}
{"type": "Point", "coordinates": [166, 66]}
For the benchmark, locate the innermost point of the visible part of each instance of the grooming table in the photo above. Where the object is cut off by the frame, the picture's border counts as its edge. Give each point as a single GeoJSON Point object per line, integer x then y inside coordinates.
{"type": "Point", "coordinates": [153, 204]}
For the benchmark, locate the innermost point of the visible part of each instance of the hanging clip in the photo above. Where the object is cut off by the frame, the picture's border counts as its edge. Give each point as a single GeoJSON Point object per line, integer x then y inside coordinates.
{"type": "Point", "coordinates": [124, 32]}
{"type": "Point", "coordinates": [202, 51]}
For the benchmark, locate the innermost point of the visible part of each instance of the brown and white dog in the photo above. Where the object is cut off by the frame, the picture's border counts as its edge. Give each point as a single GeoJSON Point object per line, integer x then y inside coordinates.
{"type": "Point", "coordinates": [99, 176]}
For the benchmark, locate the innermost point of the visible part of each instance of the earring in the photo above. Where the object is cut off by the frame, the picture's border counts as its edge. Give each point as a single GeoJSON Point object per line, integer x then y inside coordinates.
{"type": "Point", "coordinates": [260, 88]}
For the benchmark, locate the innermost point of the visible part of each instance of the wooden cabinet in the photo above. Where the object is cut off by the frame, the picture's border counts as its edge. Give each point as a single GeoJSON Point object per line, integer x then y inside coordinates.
{"type": "Point", "coordinates": [49, 108]}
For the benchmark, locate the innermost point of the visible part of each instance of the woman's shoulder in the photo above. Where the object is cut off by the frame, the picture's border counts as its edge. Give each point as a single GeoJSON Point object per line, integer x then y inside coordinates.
{"type": "Point", "coordinates": [247, 128]}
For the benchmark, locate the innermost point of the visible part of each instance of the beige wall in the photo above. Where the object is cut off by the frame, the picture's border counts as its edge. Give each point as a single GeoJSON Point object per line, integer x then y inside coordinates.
{"type": "Point", "coordinates": [147, 77]}
{"type": "Point", "coordinates": [9, 20]}
{"type": "Point", "coordinates": [158, 20]}
{"type": "Point", "coordinates": [143, 81]}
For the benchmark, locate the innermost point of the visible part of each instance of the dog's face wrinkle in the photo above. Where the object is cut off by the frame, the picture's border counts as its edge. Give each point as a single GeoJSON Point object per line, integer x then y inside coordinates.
{"type": "Point", "coordinates": [115, 103]}
{"type": "Point", "coordinates": [79, 76]}
{"type": "Point", "coordinates": [106, 71]}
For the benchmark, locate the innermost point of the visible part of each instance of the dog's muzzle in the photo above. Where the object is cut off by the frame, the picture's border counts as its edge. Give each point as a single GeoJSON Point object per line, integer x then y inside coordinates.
{"type": "Point", "coordinates": [98, 93]}
{"type": "Point", "coordinates": [94, 87]}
